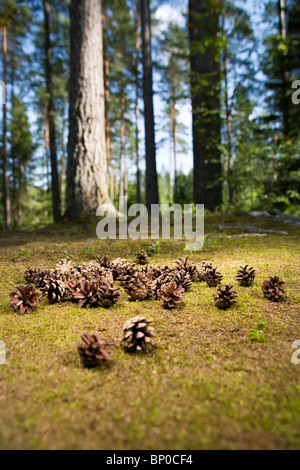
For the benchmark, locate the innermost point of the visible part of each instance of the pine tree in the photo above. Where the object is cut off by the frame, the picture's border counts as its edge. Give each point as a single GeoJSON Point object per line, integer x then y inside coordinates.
{"type": "Point", "coordinates": [205, 90]}
{"type": "Point", "coordinates": [87, 184]}
{"type": "Point", "coordinates": [151, 173]}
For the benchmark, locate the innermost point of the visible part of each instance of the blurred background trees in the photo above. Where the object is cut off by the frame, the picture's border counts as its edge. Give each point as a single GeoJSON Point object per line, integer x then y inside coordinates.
{"type": "Point", "coordinates": [223, 130]}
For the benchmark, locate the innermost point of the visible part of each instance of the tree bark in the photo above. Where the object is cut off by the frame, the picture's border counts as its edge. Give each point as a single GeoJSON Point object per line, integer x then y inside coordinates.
{"type": "Point", "coordinates": [87, 182]}
{"type": "Point", "coordinates": [205, 91]}
{"type": "Point", "coordinates": [151, 173]}
{"type": "Point", "coordinates": [7, 207]}
{"type": "Point", "coordinates": [122, 137]}
{"type": "Point", "coordinates": [174, 126]}
{"type": "Point", "coordinates": [285, 76]}
{"type": "Point", "coordinates": [106, 93]}
{"type": "Point", "coordinates": [51, 115]}
{"type": "Point", "coordinates": [228, 121]}
{"type": "Point", "coordinates": [137, 109]}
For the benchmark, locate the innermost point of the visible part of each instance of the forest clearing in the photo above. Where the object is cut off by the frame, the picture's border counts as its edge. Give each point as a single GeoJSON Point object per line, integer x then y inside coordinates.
{"type": "Point", "coordinates": [205, 385]}
{"type": "Point", "coordinates": [131, 132]}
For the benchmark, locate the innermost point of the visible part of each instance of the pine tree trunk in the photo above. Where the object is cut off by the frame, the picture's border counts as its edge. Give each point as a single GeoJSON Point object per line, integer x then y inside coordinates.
{"type": "Point", "coordinates": [51, 115]}
{"type": "Point", "coordinates": [151, 173]}
{"type": "Point", "coordinates": [228, 121]}
{"type": "Point", "coordinates": [174, 127]}
{"type": "Point", "coordinates": [87, 182]}
{"type": "Point", "coordinates": [285, 76]}
{"type": "Point", "coordinates": [137, 109]}
{"type": "Point", "coordinates": [205, 91]}
{"type": "Point", "coordinates": [7, 208]}
{"type": "Point", "coordinates": [122, 137]}
{"type": "Point", "coordinates": [106, 92]}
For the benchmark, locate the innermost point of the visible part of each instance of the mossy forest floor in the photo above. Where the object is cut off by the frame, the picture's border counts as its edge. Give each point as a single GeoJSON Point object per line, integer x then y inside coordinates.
{"type": "Point", "coordinates": [204, 386]}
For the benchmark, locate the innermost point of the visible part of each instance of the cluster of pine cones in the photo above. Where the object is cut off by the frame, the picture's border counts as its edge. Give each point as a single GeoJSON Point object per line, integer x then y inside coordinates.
{"type": "Point", "coordinates": [92, 283]}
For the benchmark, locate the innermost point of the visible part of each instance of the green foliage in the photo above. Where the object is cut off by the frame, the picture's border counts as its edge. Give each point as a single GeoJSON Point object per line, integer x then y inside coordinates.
{"type": "Point", "coordinates": [258, 334]}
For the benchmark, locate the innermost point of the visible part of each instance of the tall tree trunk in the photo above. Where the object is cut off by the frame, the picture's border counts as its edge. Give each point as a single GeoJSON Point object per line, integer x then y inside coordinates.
{"type": "Point", "coordinates": [228, 120]}
{"type": "Point", "coordinates": [87, 182]}
{"type": "Point", "coordinates": [51, 115]}
{"type": "Point", "coordinates": [205, 91]}
{"type": "Point", "coordinates": [106, 92]}
{"type": "Point", "coordinates": [7, 208]}
{"type": "Point", "coordinates": [62, 166]}
{"type": "Point", "coordinates": [123, 137]}
{"type": "Point", "coordinates": [14, 195]}
{"type": "Point", "coordinates": [137, 109]}
{"type": "Point", "coordinates": [151, 173]}
{"type": "Point", "coordinates": [285, 76]}
{"type": "Point", "coordinates": [174, 125]}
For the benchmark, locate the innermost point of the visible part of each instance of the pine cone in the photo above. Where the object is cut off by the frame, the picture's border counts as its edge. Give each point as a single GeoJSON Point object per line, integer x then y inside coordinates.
{"type": "Point", "coordinates": [116, 265]}
{"type": "Point", "coordinates": [183, 279]}
{"type": "Point", "coordinates": [142, 258]}
{"type": "Point", "coordinates": [92, 351]}
{"type": "Point", "coordinates": [182, 264]}
{"type": "Point", "coordinates": [108, 294]}
{"type": "Point", "coordinates": [127, 269]}
{"type": "Point", "coordinates": [171, 294]}
{"type": "Point", "coordinates": [88, 295]}
{"type": "Point", "coordinates": [137, 334]}
{"type": "Point", "coordinates": [273, 289]}
{"type": "Point", "coordinates": [93, 271]}
{"type": "Point", "coordinates": [136, 286]}
{"type": "Point", "coordinates": [245, 276]}
{"type": "Point", "coordinates": [67, 268]}
{"type": "Point", "coordinates": [53, 289]}
{"type": "Point", "coordinates": [152, 272]}
{"type": "Point", "coordinates": [225, 297]}
{"type": "Point", "coordinates": [213, 277]}
{"type": "Point", "coordinates": [104, 262]}
{"type": "Point", "coordinates": [73, 285]}
{"type": "Point", "coordinates": [201, 269]}
{"type": "Point", "coordinates": [25, 298]}
{"type": "Point", "coordinates": [36, 276]}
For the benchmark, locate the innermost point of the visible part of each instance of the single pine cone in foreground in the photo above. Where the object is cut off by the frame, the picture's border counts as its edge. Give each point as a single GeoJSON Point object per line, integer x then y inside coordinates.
{"type": "Point", "coordinates": [273, 289]}
{"type": "Point", "coordinates": [25, 298]}
{"type": "Point", "coordinates": [92, 351]}
{"type": "Point", "coordinates": [213, 277]}
{"type": "Point", "coordinates": [171, 294]}
{"type": "Point", "coordinates": [137, 334]}
{"type": "Point", "coordinates": [53, 289]}
{"type": "Point", "coordinates": [108, 294]}
{"type": "Point", "coordinates": [87, 295]}
{"type": "Point", "coordinates": [141, 258]}
{"type": "Point", "coordinates": [225, 297]}
{"type": "Point", "coordinates": [245, 276]}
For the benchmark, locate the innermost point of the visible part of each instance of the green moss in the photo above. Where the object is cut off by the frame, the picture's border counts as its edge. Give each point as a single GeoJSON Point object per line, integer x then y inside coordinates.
{"type": "Point", "coordinates": [205, 385]}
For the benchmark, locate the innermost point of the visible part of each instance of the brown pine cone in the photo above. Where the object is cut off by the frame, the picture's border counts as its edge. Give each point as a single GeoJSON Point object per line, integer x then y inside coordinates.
{"type": "Point", "coordinates": [24, 299]}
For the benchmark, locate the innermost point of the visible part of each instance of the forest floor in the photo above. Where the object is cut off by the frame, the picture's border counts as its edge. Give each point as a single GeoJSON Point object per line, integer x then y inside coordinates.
{"type": "Point", "coordinates": [205, 385]}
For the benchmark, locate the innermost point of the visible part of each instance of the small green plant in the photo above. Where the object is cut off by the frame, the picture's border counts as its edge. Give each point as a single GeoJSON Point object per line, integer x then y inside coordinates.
{"type": "Point", "coordinates": [89, 251]}
{"type": "Point", "coordinates": [154, 248]}
{"type": "Point", "coordinates": [258, 334]}
{"type": "Point", "coordinates": [66, 254]}
{"type": "Point", "coordinates": [23, 253]}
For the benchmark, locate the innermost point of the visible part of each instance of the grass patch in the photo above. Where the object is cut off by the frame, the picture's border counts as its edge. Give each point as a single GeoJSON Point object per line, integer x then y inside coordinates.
{"type": "Point", "coordinates": [205, 384]}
